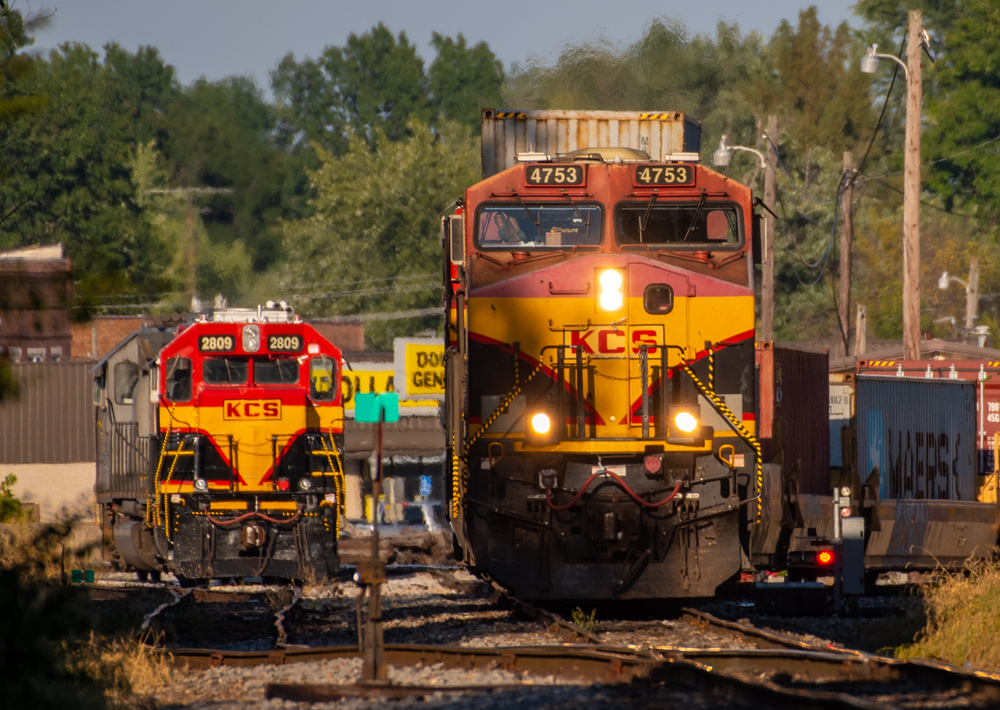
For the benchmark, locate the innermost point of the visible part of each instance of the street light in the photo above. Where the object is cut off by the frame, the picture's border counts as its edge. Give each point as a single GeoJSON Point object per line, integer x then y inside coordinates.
{"type": "Point", "coordinates": [971, 292]}
{"type": "Point", "coordinates": [916, 39]}
{"type": "Point", "coordinates": [869, 62]}
{"type": "Point", "coordinates": [721, 157]}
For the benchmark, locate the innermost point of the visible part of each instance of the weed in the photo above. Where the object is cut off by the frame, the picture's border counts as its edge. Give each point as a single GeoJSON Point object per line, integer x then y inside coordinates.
{"type": "Point", "coordinates": [10, 507]}
{"type": "Point", "coordinates": [587, 622]}
{"type": "Point", "coordinates": [962, 621]}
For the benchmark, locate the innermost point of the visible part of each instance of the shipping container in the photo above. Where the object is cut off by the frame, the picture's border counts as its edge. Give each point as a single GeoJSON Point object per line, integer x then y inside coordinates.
{"type": "Point", "coordinates": [663, 135]}
{"type": "Point", "coordinates": [793, 411]}
{"type": "Point", "coordinates": [841, 413]}
{"type": "Point", "coordinates": [921, 433]}
{"type": "Point", "coordinates": [986, 375]}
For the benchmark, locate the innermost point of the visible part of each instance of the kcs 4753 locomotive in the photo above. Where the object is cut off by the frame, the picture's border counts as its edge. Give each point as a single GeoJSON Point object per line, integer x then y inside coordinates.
{"type": "Point", "coordinates": [220, 448]}
{"type": "Point", "coordinates": [601, 361]}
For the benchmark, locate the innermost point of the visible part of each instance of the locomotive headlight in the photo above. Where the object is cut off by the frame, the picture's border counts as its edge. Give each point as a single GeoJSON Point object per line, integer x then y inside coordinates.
{"type": "Point", "coordinates": [611, 296]}
{"type": "Point", "coordinates": [686, 422]}
{"type": "Point", "coordinates": [200, 484]}
{"type": "Point", "coordinates": [541, 423]}
{"type": "Point", "coordinates": [305, 484]}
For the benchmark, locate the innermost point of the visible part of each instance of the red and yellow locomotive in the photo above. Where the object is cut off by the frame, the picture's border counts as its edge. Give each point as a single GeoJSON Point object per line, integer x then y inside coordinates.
{"type": "Point", "coordinates": [601, 375]}
{"type": "Point", "coordinates": [243, 475]}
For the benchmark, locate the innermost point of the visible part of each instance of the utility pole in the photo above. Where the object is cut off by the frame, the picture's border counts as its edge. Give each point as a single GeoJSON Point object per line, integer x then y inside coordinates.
{"type": "Point", "coordinates": [911, 190]}
{"type": "Point", "coordinates": [860, 331]}
{"type": "Point", "coordinates": [846, 228]}
{"type": "Point", "coordinates": [770, 192]}
{"type": "Point", "coordinates": [972, 296]}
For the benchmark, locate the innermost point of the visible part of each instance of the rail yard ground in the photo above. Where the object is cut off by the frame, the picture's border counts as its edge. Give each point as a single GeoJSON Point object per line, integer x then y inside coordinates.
{"type": "Point", "coordinates": [453, 640]}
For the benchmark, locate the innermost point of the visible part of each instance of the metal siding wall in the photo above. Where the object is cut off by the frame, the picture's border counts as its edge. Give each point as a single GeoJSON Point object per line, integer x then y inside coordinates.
{"type": "Point", "coordinates": [53, 421]}
{"type": "Point", "coordinates": [895, 415]}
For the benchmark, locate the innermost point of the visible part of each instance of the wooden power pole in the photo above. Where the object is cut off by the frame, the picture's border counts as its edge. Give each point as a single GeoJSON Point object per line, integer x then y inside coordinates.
{"type": "Point", "coordinates": [846, 228]}
{"type": "Point", "coordinates": [911, 191]}
{"type": "Point", "coordinates": [770, 193]}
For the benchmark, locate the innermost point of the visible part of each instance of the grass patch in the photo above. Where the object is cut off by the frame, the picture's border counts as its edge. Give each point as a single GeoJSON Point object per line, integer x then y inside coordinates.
{"type": "Point", "coordinates": [963, 625]}
{"type": "Point", "coordinates": [587, 622]}
{"type": "Point", "coordinates": [49, 655]}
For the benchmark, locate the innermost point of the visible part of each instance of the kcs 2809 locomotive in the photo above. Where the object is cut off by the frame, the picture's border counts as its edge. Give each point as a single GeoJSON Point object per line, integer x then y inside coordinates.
{"type": "Point", "coordinates": [601, 361]}
{"type": "Point", "coordinates": [220, 454]}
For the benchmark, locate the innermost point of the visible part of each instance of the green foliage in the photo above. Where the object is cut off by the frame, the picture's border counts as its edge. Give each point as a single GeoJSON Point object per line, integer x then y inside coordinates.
{"type": "Point", "coordinates": [587, 622]}
{"type": "Point", "coordinates": [376, 84]}
{"type": "Point", "coordinates": [373, 242]}
{"type": "Point", "coordinates": [463, 80]}
{"type": "Point", "coordinates": [10, 507]}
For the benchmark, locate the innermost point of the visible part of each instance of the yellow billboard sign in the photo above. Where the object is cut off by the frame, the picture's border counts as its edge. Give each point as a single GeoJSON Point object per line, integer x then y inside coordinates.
{"type": "Point", "coordinates": [368, 379]}
{"type": "Point", "coordinates": [424, 368]}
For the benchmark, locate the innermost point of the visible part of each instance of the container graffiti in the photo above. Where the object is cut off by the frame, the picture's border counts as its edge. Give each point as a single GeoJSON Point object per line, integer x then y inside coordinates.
{"type": "Point", "coordinates": [920, 433]}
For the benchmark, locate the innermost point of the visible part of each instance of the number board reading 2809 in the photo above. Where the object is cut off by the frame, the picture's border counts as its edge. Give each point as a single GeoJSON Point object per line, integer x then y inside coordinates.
{"type": "Point", "coordinates": [556, 175]}
{"type": "Point", "coordinates": [284, 343]}
{"type": "Point", "coordinates": [665, 175]}
{"type": "Point", "coordinates": [216, 343]}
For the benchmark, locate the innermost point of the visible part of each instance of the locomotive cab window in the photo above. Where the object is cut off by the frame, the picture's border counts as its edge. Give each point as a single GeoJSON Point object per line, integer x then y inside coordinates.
{"type": "Point", "coordinates": [538, 226]}
{"type": "Point", "coordinates": [656, 223]}
{"type": "Point", "coordinates": [224, 371]}
{"type": "Point", "coordinates": [126, 377]}
{"type": "Point", "coordinates": [284, 371]}
{"type": "Point", "coordinates": [322, 375]}
{"type": "Point", "coordinates": [178, 382]}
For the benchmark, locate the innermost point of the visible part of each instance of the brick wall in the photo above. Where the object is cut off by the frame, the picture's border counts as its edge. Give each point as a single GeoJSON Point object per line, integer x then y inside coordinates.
{"type": "Point", "coordinates": [104, 331]}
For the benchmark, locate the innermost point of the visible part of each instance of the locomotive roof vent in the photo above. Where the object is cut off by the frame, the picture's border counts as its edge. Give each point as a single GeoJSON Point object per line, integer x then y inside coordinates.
{"type": "Point", "coordinates": [270, 312]}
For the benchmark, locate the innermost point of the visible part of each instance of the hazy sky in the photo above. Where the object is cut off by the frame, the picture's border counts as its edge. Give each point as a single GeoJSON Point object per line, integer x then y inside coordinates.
{"type": "Point", "coordinates": [218, 38]}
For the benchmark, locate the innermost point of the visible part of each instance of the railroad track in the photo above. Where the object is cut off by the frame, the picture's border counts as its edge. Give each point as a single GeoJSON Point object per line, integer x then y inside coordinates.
{"type": "Point", "coordinates": [793, 678]}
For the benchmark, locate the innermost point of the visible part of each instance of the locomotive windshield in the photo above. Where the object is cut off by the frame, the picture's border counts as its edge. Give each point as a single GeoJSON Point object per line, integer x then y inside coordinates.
{"type": "Point", "coordinates": [276, 372]}
{"type": "Point", "coordinates": [534, 226]}
{"type": "Point", "coordinates": [178, 384]}
{"type": "Point", "coordinates": [224, 371]}
{"type": "Point", "coordinates": [694, 224]}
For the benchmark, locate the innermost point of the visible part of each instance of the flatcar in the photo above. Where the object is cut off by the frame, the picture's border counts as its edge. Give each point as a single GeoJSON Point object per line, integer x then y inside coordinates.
{"type": "Point", "coordinates": [600, 363]}
{"type": "Point", "coordinates": [220, 448]}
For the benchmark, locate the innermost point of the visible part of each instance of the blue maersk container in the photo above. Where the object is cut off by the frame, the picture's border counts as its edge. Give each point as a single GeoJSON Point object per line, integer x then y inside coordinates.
{"type": "Point", "coordinates": [921, 433]}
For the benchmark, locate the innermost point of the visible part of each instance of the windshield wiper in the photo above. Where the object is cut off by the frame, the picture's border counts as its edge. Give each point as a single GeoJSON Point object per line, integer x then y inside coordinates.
{"type": "Point", "coordinates": [644, 220]}
{"type": "Point", "coordinates": [583, 218]}
{"type": "Point", "coordinates": [697, 213]}
{"type": "Point", "coordinates": [538, 221]}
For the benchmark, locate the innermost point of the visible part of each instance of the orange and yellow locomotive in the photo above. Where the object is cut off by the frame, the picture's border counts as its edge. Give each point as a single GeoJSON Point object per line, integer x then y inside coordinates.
{"type": "Point", "coordinates": [601, 384]}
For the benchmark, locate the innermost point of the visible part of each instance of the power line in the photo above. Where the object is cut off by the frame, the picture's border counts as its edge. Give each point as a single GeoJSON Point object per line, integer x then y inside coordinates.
{"type": "Point", "coordinates": [390, 315]}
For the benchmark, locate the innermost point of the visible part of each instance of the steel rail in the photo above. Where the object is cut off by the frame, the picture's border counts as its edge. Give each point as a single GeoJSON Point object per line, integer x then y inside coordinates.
{"type": "Point", "coordinates": [794, 678]}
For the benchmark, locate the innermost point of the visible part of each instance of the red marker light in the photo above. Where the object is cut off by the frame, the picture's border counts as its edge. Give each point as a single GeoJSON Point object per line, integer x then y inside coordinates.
{"type": "Point", "coordinates": [825, 557]}
{"type": "Point", "coordinates": [282, 484]}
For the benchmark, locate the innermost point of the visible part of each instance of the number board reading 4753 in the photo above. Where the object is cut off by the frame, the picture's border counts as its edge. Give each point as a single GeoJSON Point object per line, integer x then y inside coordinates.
{"type": "Point", "coordinates": [664, 175]}
{"type": "Point", "coordinates": [555, 175]}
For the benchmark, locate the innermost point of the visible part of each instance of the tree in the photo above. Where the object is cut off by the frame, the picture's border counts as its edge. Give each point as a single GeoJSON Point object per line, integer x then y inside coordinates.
{"type": "Point", "coordinates": [374, 84]}
{"type": "Point", "coordinates": [373, 242]}
{"type": "Point", "coordinates": [463, 80]}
